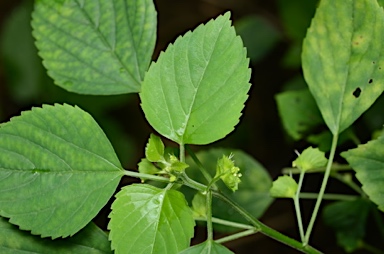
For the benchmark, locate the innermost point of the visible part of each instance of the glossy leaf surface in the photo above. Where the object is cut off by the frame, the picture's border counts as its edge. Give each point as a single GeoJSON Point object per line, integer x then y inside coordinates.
{"type": "Point", "coordinates": [343, 59]}
{"type": "Point", "coordinates": [90, 240]}
{"type": "Point", "coordinates": [146, 219]}
{"type": "Point", "coordinates": [368, 162]}
{"type": "Point", "coordinates": [57, 170]}
{"type": "Point", "coordinates": [95, 47]}
{"type": "Point", "coordinates": [196, 90]}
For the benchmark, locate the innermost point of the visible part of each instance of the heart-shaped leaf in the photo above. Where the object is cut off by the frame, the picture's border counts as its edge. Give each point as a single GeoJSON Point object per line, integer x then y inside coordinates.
{"type": "Point", "coordinates": [96, 47]}
{"type": "Point", "coordinates": [90, 240]}
{"type": "Point", "coordinates": [196, 90]}
{"type": "Point", "coordinates": [57, 170]}
{"type": "Point", "coordinates": [146, 219]}
{"type": "Point", "coordinates": [343, 59]}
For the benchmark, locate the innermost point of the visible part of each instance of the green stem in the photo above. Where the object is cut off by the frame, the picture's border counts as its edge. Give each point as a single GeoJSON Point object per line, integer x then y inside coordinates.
{"type": "Point", "coordinates": [227, 223]}
{"type": "Point", "coordinates": [205, 173]}
{"type": "Point", "coordinates": [182, 153]}
{"type": "Point", "coordinates": [335, 168]}
{"type": "Point", "coordinates": [236, 236]}
{"type": "Point", "coordinates": [322, 189]}
{"type": "Point", "coordinates": [264, 229]}
{"type": "Point", "coordinates": [208, 204]}
{"type": "Point", "coordinates": [146, 176]}
{"type": "Point", "coordinates": [297, 205]}
{"type": "Point", "coordinates": [350, 183]}
{"type": "Point", "coordinates": [256, 223]}
{"type": "Point", "coordinates": [328, 196]}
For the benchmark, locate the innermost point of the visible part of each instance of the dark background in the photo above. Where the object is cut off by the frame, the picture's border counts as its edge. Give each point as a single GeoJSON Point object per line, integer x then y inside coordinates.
{"type": "Point", "coordinates": [260, 133]}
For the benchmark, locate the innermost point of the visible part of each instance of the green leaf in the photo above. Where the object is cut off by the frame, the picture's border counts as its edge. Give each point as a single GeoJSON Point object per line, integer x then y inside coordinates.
{"type": "Point", "coordinates": [368, 162]}
{"type": "Point", "coordinates": [342, 59]}
{"type": "Point", "coordinates": [207, 247]}
{"type": "Point", "coordinates": [252, 195]}
{"type": "Point", "coordinates": [310, 158]}
{"type": "Point", "coordinates": [154, 151]}
{"type": "Point", "coordinates": [196, 90]}
{"type": "Point", "coordinates": [57, 170]}
{"type": "Point", "coordinates": [343, 216]}
{"type": "Point", "coordinates": [298, 112]}
{"type": "Point", "coordinates": [90, 240]}
{"type": "Point", "coordinates": [146, 219]}
{"type": "Point", "coordinates": [284, 187]}
{"type": "Point", "coordinates": [95, 47]}
{"type": "Point", "coordinates": [199, 205]}
{"type": "Point", "coordinates": [147, 167]}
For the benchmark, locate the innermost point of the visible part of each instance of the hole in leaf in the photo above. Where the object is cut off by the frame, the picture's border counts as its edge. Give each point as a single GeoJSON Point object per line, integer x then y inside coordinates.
{"type": "Point", "coordinates": [370, 81]}
{"type": "Point", "coordinates": [357, 92]}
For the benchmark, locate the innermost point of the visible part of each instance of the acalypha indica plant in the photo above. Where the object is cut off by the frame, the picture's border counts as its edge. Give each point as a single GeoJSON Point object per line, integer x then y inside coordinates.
{"type": "Point", "coordinates": [58, 168]}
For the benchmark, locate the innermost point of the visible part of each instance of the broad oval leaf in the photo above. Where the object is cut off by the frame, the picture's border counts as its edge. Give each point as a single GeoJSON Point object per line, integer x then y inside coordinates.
{"type": "Point", "coordinates": [196, 90]}
{"type": "Point", "coordinates": [146, 219]}
{"type": "Point", "coordinates": [252, 194]}
{"type": "Point", "coordinates": [343, 59]}
{"type": "Point", "coordinates": [90, 240]}
{"type": "Point", "coordinates": [207, 247]}
{"type": "Point", "coordinates": [368, 162]}
{"type": "Point", "coordinates": [95, 47]}
{"type": "Point", "coordinates": [57, 170]}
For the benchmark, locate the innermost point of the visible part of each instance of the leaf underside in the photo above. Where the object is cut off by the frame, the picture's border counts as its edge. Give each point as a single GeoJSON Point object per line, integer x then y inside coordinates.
{"type": "Point", "coordinates": [90, 240]}
{"type": "Point", "coordinates": [57, 170]}
{"type": "Point", "coordinates": [207, 247]}
{"type": "Point", "coordinates": [146, 219]}
{"type": "Point", "coordinates": [95, 47]}
{"type": "Point", "coordinates": [196, 90]}
{"type": "Point", "coordinates": [343, 59]}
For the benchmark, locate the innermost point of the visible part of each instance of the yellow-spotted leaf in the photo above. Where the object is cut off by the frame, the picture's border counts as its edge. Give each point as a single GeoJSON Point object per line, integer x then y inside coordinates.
{"type": "Point", "coordinates": [343, 59]}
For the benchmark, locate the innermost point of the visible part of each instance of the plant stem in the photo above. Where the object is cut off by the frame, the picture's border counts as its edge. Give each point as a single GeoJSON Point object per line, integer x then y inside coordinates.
{"type": "Point", "coordinates": [264, 229]}
{"type": "Point", "coordinates": [228, 223]}
{"type": "Point", "coordinates": [205, 173]}
{"type": "Point", "coordinates": [182, 153]}
{"type": "Point", "coordinates": [208, 204]}
{"type": "Point", "coordinates": [322, 189]}
{"type": "Point", "coordinates": [350, 183]}
{"type": "Point", "coordinates": [335, 168]}
{"type": "Point", "coordinates": [297, 206]}
{"type": "Point", "coordinates": [236, 236]}
{"type": "Point", "coordinates": [146, 176]}
{"type": "Point", "coordinates": [328, 196]}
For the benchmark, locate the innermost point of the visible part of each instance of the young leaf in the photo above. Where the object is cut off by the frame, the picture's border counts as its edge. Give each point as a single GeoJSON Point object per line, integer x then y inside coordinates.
{"type": "Point", "coordinates": [196, 90]}
{"type": "Point", "coordinates": [95, 47]}
{"type": "Point", "coordinates": [207, 247]}
{"type": "Point", "coordinates": [348, 219]}
{"type": "Point", "coordinates": [147, 167]}
{"type": "Point", "coordinates": [90, 240]}
{"type": "Point", "coordinates": [57, 170]}
{"type": "Point", "coordinates": [342, 59]}
{"type": "Point", "coordinates": [284, 187]}
{"type": "Point", "coordinates": [146, 219]}
{"type": "Point", "coordinates": [298, 112]}
{"type": "Point", "coordinates": [368, 162]}
{"type": "Point", "coordinates": [154, 151]}
{"type": "Point", "coordinates": [310, 158]}
{"type": "Point", "coordinates": [199, 205]}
